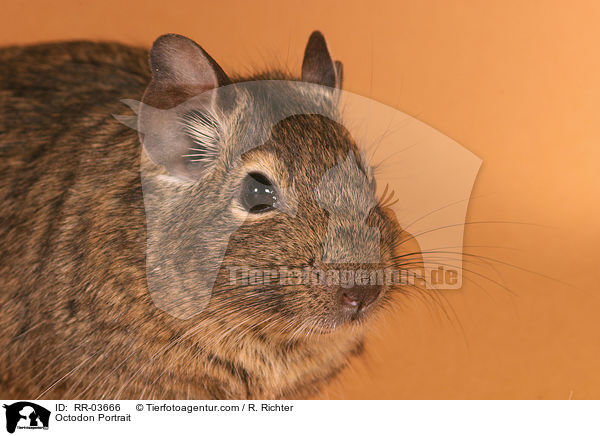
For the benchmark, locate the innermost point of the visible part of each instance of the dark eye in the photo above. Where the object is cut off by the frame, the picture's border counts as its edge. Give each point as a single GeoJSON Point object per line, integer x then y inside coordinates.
{"type": "Point", "coordinates": [258, 194]}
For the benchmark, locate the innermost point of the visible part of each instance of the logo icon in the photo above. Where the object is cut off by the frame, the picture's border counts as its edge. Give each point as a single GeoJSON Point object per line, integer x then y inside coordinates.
{"type": "Point", "coordinates": [26, 415]}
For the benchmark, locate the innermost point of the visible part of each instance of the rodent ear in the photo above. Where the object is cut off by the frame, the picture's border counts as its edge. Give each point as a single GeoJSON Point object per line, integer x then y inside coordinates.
{"type": "Point", "coordinates": [339, 72]}
{"type": "Point", "coordinates": [317, 66]}
{"type": "Point", "coordinates": [177, 120]}
{"type": "Point", "coordinates": [181, 69]}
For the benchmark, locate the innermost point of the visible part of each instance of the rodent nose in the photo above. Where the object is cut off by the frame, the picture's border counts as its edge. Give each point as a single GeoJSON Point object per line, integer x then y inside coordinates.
{"type": "Point", "coordinates": [358, 297]}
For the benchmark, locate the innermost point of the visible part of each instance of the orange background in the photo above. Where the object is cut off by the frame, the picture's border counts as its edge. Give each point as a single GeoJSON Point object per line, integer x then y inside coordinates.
{"type": "Point", "coordinates": [518, 84]}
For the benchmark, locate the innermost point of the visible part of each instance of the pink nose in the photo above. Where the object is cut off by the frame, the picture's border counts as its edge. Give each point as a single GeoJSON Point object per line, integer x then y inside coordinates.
{"type": "Point", "coordinates": [358, 297]}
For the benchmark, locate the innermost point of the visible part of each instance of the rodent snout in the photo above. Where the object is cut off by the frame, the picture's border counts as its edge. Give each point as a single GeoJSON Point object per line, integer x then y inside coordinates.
{"type": "Point", "coordinates": [358, 298]}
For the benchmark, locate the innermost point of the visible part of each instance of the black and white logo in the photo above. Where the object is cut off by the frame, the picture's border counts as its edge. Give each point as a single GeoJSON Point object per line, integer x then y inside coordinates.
{"type": "Point", "coordinates": [26, 415]}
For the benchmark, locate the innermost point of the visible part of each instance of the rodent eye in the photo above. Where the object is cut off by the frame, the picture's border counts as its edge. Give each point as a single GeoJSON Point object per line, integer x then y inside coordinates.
{"type": "Point", "coordinates": [258, 194]}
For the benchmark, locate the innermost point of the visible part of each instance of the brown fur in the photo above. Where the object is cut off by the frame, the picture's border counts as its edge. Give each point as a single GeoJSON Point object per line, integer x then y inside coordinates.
{"type": "Point", "coordinates": [77, 318]}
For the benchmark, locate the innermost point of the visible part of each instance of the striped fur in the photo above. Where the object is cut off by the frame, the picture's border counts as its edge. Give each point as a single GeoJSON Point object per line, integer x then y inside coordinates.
{"type": "Point", "coordinates": [77, 320]}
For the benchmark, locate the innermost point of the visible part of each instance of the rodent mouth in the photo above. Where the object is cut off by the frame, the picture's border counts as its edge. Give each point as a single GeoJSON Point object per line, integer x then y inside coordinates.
{"type": "Point", "coordinates": [348, 316]}
{"type": "Point", "coordinates": [355, 319]}
{"type": "Point", "coordinates": [357, 301]}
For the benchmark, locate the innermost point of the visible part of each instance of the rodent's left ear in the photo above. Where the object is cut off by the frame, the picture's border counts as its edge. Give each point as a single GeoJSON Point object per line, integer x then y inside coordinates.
{"type": "Point", "coordinates": [181, 69]}
{"type": "Point", "coordinates": [318, 66]}
{"type": "Point", "coordinates": [177, 121]}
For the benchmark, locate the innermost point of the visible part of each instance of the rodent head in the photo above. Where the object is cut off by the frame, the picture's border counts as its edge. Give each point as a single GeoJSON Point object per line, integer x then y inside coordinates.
{"type": "Point", "coordinates": [260, 183]}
